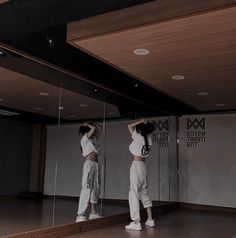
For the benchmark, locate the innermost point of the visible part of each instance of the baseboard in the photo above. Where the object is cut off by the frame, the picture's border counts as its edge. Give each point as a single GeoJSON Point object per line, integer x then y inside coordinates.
{"type": "Point", "coordinates": [106, 200]}
{"type": "Point", "coordinates": [30, 195]}
{"type": "Point", "coordinates": [201, 207]}
{"type": "Point", "coordinates": [24, 195]}
{"type": "Point", "coordinates": [61, 197]}
{"type": "Point", "coordinates": [73, 198]}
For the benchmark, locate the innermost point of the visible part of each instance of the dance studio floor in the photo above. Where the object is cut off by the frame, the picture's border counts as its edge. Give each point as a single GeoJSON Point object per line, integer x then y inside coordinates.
{"type": "Point", "coordinates": [179, 224]}
{"type": "Point", "coordinates": [19, 215]}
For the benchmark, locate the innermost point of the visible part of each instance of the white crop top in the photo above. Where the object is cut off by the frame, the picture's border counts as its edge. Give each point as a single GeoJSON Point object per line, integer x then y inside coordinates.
{"type": "Point", "coordinates": [89, 145]}
{"type": "Point", "coordinates": [137, 146]}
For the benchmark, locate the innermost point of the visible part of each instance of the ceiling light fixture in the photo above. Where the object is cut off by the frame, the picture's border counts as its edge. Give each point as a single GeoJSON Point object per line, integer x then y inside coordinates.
{"type": "Point", "coordinates": [135, 85]}
{"type": "Point", "coordinates": [95, 90]}
{"type": "Point", "coordinates": [177, 77]}
{"type": "Point", "coordinates": [202, 93]}
{"type": "Point", "coordinates": [83, 105]}
{"type": "Point", "coordinates": [72, 116]}
{"type": "Point", "coordinates": [50, 41]}
{"type": "Point", "coordinates": [141, 51]}
{"type": "Point", "coordinates": [220, 105]}
{"type": "Point", "coordinates": [2, 53]}
{"type": "Point", "coordinates": [39, 108]}
{"type": "Point", "coordinates": [44, 94]}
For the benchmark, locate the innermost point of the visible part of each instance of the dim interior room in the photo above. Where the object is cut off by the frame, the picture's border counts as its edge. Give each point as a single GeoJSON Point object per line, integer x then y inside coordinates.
{"type": "Point", "coordinates": [95, 71]}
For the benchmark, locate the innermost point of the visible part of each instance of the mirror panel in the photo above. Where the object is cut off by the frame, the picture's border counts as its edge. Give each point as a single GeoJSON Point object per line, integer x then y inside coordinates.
{"type": "Point", "coordinates": [54, 115]}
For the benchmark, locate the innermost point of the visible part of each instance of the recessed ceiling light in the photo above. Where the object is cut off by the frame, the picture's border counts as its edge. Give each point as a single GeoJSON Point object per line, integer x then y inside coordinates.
{"type": "Point", "coordinates": [220, 105]}
{"type": "Point", "coordinates": [141, 51]}
{"type": "Point", "coordinates": [2, 53]}
{"type": "Point", "coordinates": [95, 90]}
{"type": "Point", "coordinates": [50, 41]}
{"type": "Point", "coordinates": [177, 77]}
{"type": "Point", "coordinates": [83, 105]}
{"type": "Point", "coordinates": [39, 108]}
{"type": "Point", "coordinates": [202, 93]}
{"type": "Point", "coordinates": [61, 108]}
{"type": "Point", "coordinates": [44, 94]}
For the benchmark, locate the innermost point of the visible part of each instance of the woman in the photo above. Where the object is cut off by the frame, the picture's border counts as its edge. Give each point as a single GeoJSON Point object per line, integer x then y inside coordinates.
{"type": "Point", "coordinates": [140, 148]}
{"type": "Point", "coordinates": [90, 178]}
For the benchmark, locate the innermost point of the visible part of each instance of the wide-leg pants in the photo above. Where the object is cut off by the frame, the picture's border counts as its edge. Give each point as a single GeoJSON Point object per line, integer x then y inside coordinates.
{"type": "Point", "coordinates": [138, 189]}
{"type": "Point", "coordinates": [90, 186]}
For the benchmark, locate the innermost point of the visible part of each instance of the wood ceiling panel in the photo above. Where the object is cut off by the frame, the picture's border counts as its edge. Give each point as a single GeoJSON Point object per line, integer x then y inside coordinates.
{"type": "Point", "coordinates": [202, 47]}
{"type": "Point", "coordinates": [135, 16]}
{"type": "Point", "coordinates": [21, 92]}
{"type": "Point", "coordinates": [3, 1]}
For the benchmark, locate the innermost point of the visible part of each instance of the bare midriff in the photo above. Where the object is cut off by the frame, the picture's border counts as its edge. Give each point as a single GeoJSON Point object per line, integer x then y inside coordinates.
{"type": "Point", "coordinates": [139, 158]}
{"type": "Point", "coordinates": [92, 156]}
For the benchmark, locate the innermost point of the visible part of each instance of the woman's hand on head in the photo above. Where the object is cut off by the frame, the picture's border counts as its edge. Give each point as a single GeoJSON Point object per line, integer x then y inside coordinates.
{"type": "Point", "coordinates": [143, 120]}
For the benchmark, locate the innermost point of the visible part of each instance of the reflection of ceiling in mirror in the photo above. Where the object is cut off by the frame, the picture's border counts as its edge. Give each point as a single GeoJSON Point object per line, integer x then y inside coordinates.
{"type": "Point", "coordinates": [22, 92]}
{"type": "Point", "coordinates": [3, 1]}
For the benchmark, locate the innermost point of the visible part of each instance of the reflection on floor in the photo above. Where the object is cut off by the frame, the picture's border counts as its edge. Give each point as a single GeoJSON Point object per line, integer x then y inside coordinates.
{"type": "Point", "coordinates": [180, 224]}
{"type": "Point", "coordinates": [19, 215]}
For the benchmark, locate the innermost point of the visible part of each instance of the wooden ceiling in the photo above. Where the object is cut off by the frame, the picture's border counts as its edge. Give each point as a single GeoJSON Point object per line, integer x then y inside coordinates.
{"type": "Point", "coordinates": [198, 42]}
{"type": "Point", "coordinates": [3, 1]}
{"type": "Point", "coordinates": [21, 92]}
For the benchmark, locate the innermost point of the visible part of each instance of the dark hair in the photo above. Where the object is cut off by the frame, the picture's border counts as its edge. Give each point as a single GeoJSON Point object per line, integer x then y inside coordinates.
{"type": "Point", "coordinates": [84, 129]}
{"type": "Point", "coordinates": [145, 129]}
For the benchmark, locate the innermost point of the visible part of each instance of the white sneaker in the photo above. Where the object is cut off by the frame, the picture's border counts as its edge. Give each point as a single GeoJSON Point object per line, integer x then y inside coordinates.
{"type": "Point", "coordinates": [150, 223]}
{"type": "Point", "coordinates": [94, 216]}
{"type": "Point", "coordinates": [134, 226]}
{"type": "Point", "coordinates": [81, 218]}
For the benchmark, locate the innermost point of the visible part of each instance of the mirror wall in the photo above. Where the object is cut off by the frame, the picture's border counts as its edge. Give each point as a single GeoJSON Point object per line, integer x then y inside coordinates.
{"type": "Point", "coordinates": [27, 105]}
{"type": "Point", "coordinates": [64, 154]}
{"type": "Point", "coordinates": [114, 158]}
{"type": "Point", "coordinates": [41, 158]}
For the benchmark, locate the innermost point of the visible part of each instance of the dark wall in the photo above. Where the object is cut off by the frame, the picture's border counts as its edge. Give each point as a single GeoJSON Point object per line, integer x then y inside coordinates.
{"type": "Point", "coordinates": [15, 156]}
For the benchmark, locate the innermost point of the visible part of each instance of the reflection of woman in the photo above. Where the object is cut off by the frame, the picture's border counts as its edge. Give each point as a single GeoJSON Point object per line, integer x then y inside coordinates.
{"type": "Point", "coordinates": [140, 148]}
{"type": "Point", "coordinates": [90, 178]}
